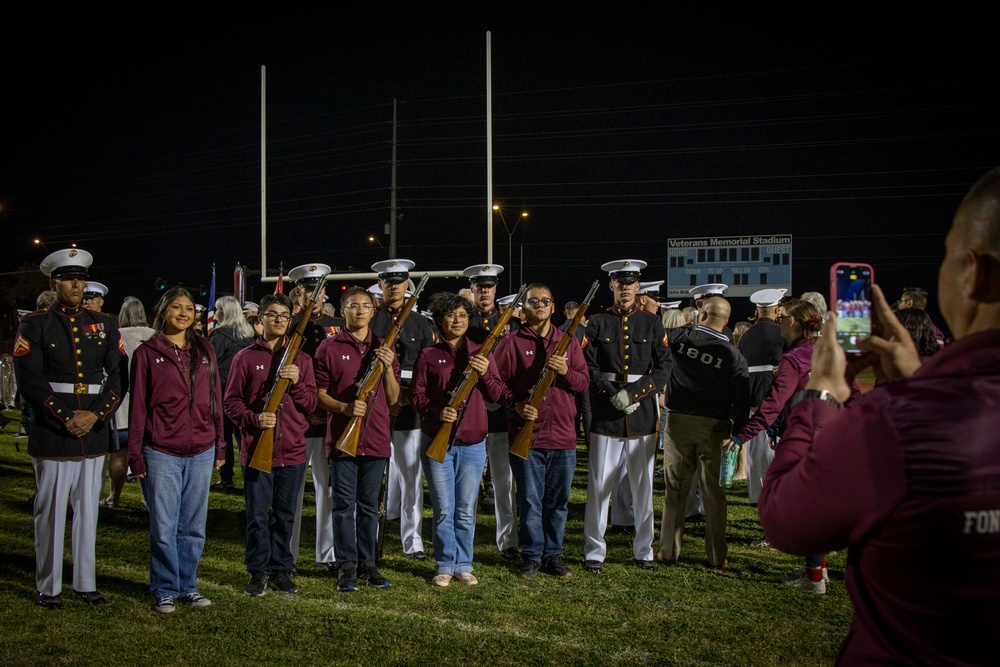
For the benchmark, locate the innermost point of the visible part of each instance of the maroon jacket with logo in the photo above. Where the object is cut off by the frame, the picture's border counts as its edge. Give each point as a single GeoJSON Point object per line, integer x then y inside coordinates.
{"type": "Point", "coordinates": [437, 372]}
{"type": "Point", "coordinates": [341, 362]}
{"type": "Point", "coordinates": [520, 360]}
{"type": "Point", "coordinates": [161, 414]}
{"type": "Point", "coordinates": [251, 376]}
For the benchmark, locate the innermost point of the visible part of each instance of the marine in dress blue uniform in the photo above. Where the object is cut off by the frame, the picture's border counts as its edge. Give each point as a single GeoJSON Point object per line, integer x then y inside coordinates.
{"type": "Point", "coordinates": [72, 369]}
{"type": "Point", "coordinates": [763, 346]}
{"type": "Point", "coordinates": [485, 315]}
{"type": "Point", "coordinates": [319, 328]}
{"type": "Point", "coordinates": [405, 495]}
{"type": "Point", "coordinates": [629, 364]}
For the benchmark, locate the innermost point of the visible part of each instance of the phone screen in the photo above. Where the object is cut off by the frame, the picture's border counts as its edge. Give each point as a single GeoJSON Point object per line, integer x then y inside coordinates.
{"type": "Point", "coordinates": [853, 297]}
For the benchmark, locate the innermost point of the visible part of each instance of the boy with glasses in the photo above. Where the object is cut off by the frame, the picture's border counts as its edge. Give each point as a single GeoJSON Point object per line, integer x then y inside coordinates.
{"type": "Point", "coordinates": [269, 556]}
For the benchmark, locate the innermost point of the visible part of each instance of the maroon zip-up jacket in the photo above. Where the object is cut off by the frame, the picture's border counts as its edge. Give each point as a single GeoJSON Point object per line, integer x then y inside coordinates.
{"type": "Point", "coordinates": [251, 376]}
{"type": "Point", "coordinates": [438, 370]}
{"type": "Point", "coordinates": [341, 362]}
{"type": "Point", "coordinates": [160, 412]}
{"type": "Point", "coordinates": [520, 360]}
{"type": "Point", "coordinates": [908, 478]}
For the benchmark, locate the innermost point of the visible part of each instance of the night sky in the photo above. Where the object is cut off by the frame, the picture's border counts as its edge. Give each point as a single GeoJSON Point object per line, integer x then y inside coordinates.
{"type": "Point", "coordinates": [138, 138]}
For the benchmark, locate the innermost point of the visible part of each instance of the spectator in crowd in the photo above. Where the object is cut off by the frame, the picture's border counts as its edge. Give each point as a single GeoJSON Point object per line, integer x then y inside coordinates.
{"type": "Point", "coordinates": [134, 330]}
{"type": "Point", "coordinates": [915, 297]}
{"type": "Point", "coordinates": [923, 332]}
{"type": "Point", "coordinates": [231, 334]}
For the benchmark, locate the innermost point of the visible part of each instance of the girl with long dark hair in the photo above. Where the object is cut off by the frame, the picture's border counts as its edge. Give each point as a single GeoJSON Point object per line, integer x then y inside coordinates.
{"type": "Point", "coordinates": [175, 434]}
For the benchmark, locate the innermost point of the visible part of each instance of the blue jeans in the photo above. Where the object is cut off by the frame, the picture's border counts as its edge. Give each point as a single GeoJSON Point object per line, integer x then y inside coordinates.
{"type": "Point", "coordinates": [454, 487]}
{"type": "Point", "coordinates": [269, 536]}
{"type": "Point", "coordinates": [176, 490]}
{"type": "Point", "coordinates": [543, 485]}
{"type": "Point", "coordinates": [355, 483]}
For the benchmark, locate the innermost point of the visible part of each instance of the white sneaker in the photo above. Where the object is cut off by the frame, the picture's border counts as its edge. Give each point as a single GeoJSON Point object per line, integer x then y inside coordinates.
{"type": "Point", "coordinates": [195, 600]}
{"type": "Point", "coordinates": [441, 580]}
{"type": "Point", "coordinates": [762, 544]}
{"type": "Point", "coordinates": [801, 572]}
{"type": "Point", "coordinates": [806, 584]}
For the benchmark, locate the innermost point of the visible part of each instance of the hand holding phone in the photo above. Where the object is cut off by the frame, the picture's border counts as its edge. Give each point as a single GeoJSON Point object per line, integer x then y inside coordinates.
{"type": "Point", "coordinates": [851, 298]}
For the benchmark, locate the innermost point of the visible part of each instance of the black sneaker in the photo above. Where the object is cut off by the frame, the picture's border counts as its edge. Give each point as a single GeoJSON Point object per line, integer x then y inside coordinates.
{"type": "Point", "coordinates": [49, 602]}
{"type": "Point", "coordinates": [593, 565]}
{"type": "Point", "coordinates": [528, 568]}
{"type": "Point", "coordinates": [258, 584]}
{"type": "Point", "coordinates": [556, 566]}
{"type": "Point", "coordinates": [511, 553]}
{"type": "Point", "coordinates": [370, 576]}
{"type": "Point", "coordinates": [282, 581]}
{"type": "Point", "coordinates": [417, 555]}
{"type": "Point", "coordinates": [648, 565]}
{"type": "Point", "coordinates": [347, 579]}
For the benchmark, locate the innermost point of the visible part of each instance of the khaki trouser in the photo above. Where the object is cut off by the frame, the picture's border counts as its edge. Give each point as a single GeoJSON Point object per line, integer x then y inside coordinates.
{"type": "Point", "coordinates": [691, 440]}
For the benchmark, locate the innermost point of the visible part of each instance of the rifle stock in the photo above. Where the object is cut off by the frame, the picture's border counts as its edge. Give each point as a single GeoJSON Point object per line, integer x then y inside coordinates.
{"type": "Point", "coordinates": [263, 450]}
{"type": "Point", "coordinates": [523, 440]}
{"type": "Point", "coordinates": [439, 444]}
{"type": "Point", "coordinates": [350, 438]}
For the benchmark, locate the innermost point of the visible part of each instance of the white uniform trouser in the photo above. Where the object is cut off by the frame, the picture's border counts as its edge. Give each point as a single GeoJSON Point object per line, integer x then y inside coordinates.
{"type": "Point", "coordinates": [759, 457]}
{"type": "Point", "coordinates": [59, 483]}
{"type": "Point", "coordinates": [621, 497]}
{"type": "Point", "coordinates": [606, 454]}
{"type": "Point", "coordinates": [504, 501]}
{"type": "Point", "coordinates": [405, 495]}
{"type": "Point", "coordinates": [316, 457]}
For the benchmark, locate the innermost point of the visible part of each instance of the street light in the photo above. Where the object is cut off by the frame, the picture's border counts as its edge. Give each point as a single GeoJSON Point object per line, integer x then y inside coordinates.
{"type": "Point", "coordinates": [510, 243]}
{"type": "Point", "coordinates": [373, 239]}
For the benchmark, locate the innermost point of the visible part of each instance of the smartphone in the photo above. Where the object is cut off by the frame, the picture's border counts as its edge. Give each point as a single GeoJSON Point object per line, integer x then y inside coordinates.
{"type": "Point", "coordinates": [851, 296]}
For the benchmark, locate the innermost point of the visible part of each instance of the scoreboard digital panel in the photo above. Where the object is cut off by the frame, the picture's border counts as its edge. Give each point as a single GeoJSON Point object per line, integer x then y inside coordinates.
{"type": "Point", "coordinates": [745, 263]}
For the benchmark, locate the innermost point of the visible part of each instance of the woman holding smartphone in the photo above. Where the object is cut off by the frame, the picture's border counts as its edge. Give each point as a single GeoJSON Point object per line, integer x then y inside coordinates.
{"type": "Point", "coordinates": [175, 435]}
{"type": "Point", "coordinates": [454, 483]}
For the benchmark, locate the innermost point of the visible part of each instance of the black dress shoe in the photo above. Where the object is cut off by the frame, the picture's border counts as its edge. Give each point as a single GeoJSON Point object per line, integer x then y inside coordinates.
{"type": "Point", "coordinates": [49, 602]}
{"type": "Point", "coordinates": [511, 554]}
{"type": "Point", "coordinates": [417, 555]}
{"type": "Point", "coordinates": [93, 597]}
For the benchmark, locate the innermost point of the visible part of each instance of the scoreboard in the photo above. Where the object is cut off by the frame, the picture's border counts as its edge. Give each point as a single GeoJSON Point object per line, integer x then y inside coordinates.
{"type": "Point", "coordinates": [745, 263]}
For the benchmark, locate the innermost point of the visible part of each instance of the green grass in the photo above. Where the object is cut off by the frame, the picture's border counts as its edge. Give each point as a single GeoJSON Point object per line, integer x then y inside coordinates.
{"type": "Point", "coordinates": [685, 614]}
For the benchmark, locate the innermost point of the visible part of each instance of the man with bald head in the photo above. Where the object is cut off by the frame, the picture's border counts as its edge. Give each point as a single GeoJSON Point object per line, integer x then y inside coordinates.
{"type": "Point", "coordinates": [708, 396]}
{"type": "Point", "coordinates": [908, 476]}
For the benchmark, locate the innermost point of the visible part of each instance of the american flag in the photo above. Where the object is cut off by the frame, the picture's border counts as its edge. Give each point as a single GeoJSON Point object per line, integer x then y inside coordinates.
{"type": "Point", "coordinates": [211, 305]}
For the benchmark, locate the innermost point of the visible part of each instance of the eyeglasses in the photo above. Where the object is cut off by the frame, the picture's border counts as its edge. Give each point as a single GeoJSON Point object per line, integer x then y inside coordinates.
{"type": "Point", "coordinates": [358, 307]}
{"type": "Point", "coordinates": [535, 303]}
{"type": "Point", "coordinates": [460, 317]}
{"type": "Point", "coordinates": [280, 317]}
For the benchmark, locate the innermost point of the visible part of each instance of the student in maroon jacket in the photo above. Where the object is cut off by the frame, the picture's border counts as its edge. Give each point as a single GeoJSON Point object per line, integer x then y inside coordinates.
{"type": "Point", "coordinates": [253, 372]}
{"type": "Point", "coordinates": [454, 483]}
{"type": "Point", "coordinates": [341, 362]}
{"type": "Point", "coordinates": [175, 432]}
{"type": "Point", "coordinates": [545, 478]}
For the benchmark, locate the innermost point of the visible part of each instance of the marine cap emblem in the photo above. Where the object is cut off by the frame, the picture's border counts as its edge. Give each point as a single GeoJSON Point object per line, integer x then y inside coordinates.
{"type": "Point", "coordinates": [72, 253]}
{"type": "Point", "coordinates": [312, 268]}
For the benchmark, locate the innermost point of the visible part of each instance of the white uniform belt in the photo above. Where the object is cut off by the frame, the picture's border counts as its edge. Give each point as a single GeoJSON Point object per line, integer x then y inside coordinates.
{"type": "Point", "coordinates": [764, 368]}
{"type": "Point", "coordinates": [406, 375]}
{"type": "Point", "coordinates": [621, 377]}
{"type": "Point", "coordinates": [70, 388]}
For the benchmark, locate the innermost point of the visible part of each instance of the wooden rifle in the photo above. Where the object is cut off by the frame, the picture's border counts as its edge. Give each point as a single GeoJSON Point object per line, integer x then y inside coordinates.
{"type": "Point", "coordinates": [348, 441]}
{"type": "Point", "coordinates": [523, 441]}
{"type": "Point", "coordinates": [263, 450]}
{"type": "Point", "coordinates": [460, 394]}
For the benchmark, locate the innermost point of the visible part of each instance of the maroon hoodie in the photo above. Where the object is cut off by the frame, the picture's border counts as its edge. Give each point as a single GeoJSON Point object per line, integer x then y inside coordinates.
{"type": "Point", "coordinates": [161, 412]}
{"type": "Point", "coordinates": [251, 376]}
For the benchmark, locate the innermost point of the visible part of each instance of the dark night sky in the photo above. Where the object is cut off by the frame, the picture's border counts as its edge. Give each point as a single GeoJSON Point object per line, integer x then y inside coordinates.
{"type": "Point", "coordinates": [138, 139]}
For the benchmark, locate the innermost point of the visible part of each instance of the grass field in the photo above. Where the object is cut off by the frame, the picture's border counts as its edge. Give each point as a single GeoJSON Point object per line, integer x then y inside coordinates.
{"type": "Point", "coordinates": [680, 615]}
